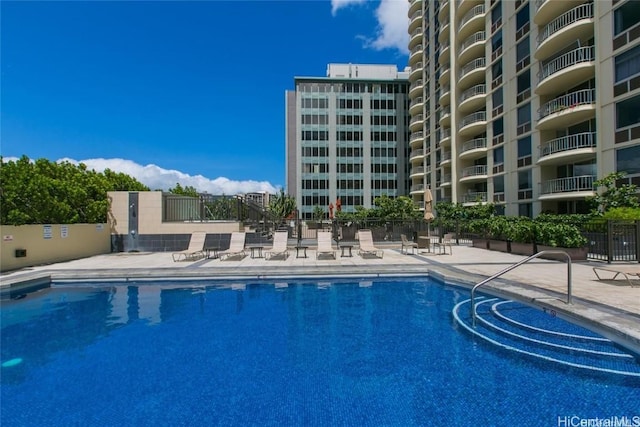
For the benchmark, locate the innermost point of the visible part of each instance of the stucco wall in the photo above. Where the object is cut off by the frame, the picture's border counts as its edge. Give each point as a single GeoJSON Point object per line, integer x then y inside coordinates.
{"type": "Point", "coordinates": [47, 244]}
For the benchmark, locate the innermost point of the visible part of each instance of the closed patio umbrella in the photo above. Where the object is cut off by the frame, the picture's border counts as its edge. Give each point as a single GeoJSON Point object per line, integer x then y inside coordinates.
{"type": "Point", "coordinates": [428, 208]}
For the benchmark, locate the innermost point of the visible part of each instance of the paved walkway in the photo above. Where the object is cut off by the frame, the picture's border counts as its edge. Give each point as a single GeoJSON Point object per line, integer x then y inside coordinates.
{"type": "Point", "coordinates": [611, 307]}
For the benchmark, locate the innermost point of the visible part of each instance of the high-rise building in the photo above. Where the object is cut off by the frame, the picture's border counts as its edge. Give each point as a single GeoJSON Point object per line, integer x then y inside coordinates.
{"type": "Point", "coordinates": [347, 137]}
{"type": "Point", "coordinates": [523, 103]}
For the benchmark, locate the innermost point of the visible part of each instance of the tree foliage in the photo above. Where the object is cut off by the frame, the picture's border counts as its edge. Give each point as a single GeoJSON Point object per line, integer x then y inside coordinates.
{"type": "Point", "coordinates": [385, 208]}
{"type": "Point", "coordinates": [44, 192]}
{"type": "Point", "coordinates": [612, 196]}
{"type": "Point", "coordinates": [281, 206]}
{"type": "Point", "coordinates": [184, 191]}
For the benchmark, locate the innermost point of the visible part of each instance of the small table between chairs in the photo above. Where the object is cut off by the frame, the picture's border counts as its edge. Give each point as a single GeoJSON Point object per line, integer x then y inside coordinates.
{"type": "Point", "coordinates": [345, 246]}
{"type": "Point", "coordinates": [304, 251]}
{"type": "Point", "coordinates": [255, 248]}
{"type": "Point", "coordinates": [211, 252]}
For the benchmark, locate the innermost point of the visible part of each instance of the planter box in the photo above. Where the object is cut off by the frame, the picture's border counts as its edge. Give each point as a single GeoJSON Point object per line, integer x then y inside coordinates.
{"type": "Point", "coordinates": [498, 245]}
{"type": "Point", "coordinates": [480, 243]}
{"type": "Point", "coordinates": [522, 248]}
{"type": "Point", "coordinates": [576, 254]}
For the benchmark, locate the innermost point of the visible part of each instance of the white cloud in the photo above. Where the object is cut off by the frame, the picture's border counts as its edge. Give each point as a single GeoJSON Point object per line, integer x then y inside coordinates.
{"type": "Point", "coordinates": [393, 24]}
{"type": "Point", "coordinates": [340, 4]}
{"type": "Point", "coordinates": [157, 178]}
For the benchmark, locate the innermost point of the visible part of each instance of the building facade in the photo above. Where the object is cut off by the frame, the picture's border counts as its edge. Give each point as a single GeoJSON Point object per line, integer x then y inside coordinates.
{"type": "Point", "coordinates": [523, 103]}
{"type": "Point", "coordinates": [347, 137]}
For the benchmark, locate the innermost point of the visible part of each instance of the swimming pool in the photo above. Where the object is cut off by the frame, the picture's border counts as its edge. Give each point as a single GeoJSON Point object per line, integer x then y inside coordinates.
{"type": "Point", "coordinates": [382, 352]}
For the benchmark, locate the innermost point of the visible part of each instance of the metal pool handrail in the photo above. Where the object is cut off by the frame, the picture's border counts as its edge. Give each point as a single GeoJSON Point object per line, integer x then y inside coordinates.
{"type": "Point", "coordinates": [518, 264]}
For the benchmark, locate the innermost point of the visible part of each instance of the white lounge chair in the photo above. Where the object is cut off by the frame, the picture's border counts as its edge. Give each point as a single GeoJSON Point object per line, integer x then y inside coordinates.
{"type": "Point", "coordinates": [324, 244]}
{"type": "Point", "coordinates": [626, 271]}
{"type": "Point", "coordinates": [195, 249]}
{"type": "Point", "coordinates": [236, 246]}
{"type": "Point", "coordinates": [366, 244]}
{"type": "Point", "coordinates": [406, 244]}
{"type": "Point", "coordinates": [279, 248]}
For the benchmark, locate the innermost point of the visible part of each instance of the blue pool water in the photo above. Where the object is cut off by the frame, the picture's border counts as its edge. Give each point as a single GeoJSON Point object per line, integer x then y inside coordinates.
{"type": "Point", "coordinates": [302, 353]}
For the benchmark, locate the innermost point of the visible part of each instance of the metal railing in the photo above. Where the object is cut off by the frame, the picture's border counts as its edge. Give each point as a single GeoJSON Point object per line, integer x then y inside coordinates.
{"type": "Point", "coordinates": [567, 185]}
{"type": "Point", "coordinates": [474, 144]}
{"type": "Point", "coordinates": [480, 36]}
{"type": "Point", "coordinates": [416, 153]}
{"type": "Point", "coordinates": [415, 119]}
{"type": "Point", "coordinates": [480, 89]}
{"type": "Point", "coordinates": [415, 84]}
{"type": "Point", "coordinates": [474, 170]}
{"type": "Point", "coordinates": [475, 11]}
{"type": "Point", "coordinates": [576, 56]}
{"type": "Point", "coordinates": [584, 11]}
{"type": "Point", "coordinates": [478, 116]}
{"type": "Point", "coordinates": [416, 67]}
{"type": "Point", "coordinates": [416, 49]}
{"type": "Point", "coordinates": [569, 142]}
{"type": "Point", "coordinates": [473, 65]}
{"type": "Point", "coordinates": [475, 196]}
{"type": "Point", "coordinates": [415, 102]}
{"type": "Point", "coordinates": [516, 265]}
{"type": "Point", "coordinates": [568, 101]}
{"type": "Point", "coordinates": [416, 135]}
{"type": "Point", "coordinates": [446, 155]}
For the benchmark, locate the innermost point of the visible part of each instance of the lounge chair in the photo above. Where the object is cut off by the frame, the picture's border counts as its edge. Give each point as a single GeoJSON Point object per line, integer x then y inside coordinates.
{"type": "Point", "coordinates": [406, 244]}
{"type": "Point", "coordinates": [324, 244]}
{"type": "Point", "coordinates": [366, 244]}
{"type": "Point", "coordinates": [195, 249]}
{"type": "Point", "coordinates": [628, 272]}
{"type": "Point", "coordinates": [236, 246]}
{"type": "Point", "coordinates": [447, 240]}
{"type": "Point", "coordinates": [279, 248]}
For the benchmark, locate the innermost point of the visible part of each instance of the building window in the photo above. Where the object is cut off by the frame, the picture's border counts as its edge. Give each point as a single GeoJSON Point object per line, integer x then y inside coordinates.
{"type": "Point", "coordinates": [498, 189]}
{"type": "Point", "coordinates": [498, 160]}
{"type": "Point", "coordinates": [524, 151]}
{"type": "Point", "coordinates": [498, 131]}
{"type": "Point", "coordinates": [628, 64]}
{"type": "Point", "coordinates": [626, 16]}
{"type": "Point", "coordinates": [522, 21]}
{"type": "Point", "coordinates": [523, 51]}
{"type": "Point", "coordinates": [628, 160]}
{"type": "Point", "coordinates": [496, 74]}
{"type": "Point", "coordinates": [628, 112]}
{"type": "Point", "coordinates": [496, 16]}
{"type": "Point", "coordinates": [525, 186]}
{"type": "Point", "coordinates": [524, 86]}
{"type": "Point", "coordinates": [524, 119]}
{"type": "Point", "coordinates": [497, 100]}
{"type": "Point", "coordinates": [525, 209]}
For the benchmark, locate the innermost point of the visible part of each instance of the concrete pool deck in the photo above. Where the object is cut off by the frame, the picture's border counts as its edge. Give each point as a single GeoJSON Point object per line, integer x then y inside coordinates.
{"type": "Point", "coordinates": [611, 307]}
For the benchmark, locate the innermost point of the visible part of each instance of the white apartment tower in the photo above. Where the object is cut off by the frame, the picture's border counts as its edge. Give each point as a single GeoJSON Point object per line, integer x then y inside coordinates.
{"type": "Point", "coordinates": [523, 103]}
{"type": "Point", "coordinates": [347, 137]}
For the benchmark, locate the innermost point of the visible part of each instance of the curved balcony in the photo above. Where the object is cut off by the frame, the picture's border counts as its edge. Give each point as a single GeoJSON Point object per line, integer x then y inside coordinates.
{"type": "Point", "coordinates": [474, 149]}
{"type": "Point", "coordinates": [415, 37]}
{"type": "Point", "coordinates": [416, 105]}
{"type": "Point", "coordinates": [415, 88]}
{"type": "Point", "coordinates": [415, 20]}
{"type": "Point", "coordinates": [416, 188]}
{"type": "Point", "coordinates": [416, 123]}
{"type": "Point", "coordinates": [573, 187]}
{"type": "Point", "coordinates": [473, 124]}
{"type": "Point", "coordinates": [416, 154]}
{"type": "Point", "coordinates": [445, 158]}
{"type": "Point", "coordinates": [416, 137]}
{"type": "Point", "coordinates": [415, 55]}
{"type": "Point", "coordinates": [566, 110]}
{"type": "Point", "coordinates": [445, 74]}
{"type": "Point", "coordinates": [472, 47]}
{"type": "Point", "coordinates": [473, 98]}
{"type": "Point", "coordinates": [416, 72]}
{"type": "Point", "coordinates": [445, 6]}
{"type": "Point", "coordinates": [567, 69]}
{"type": "Point", "coordinates": [474, 173]}
{"type": "Point", "coordinates": [473, 197]}
{"type": "Point", "coordinates": [444, 52]}
{"type": "Point", "coordinates": [444, 116]}
{"type": "Point", "coordinates": [445, 95]}
{"type": "Point", "coordinates": [568, 149]}
{"type": "Point", "coordinates": [415, 6]}
{"type": "Point", "coordinates": [546, 10]}
{"type": "Point", "coordinates": [445, 181]}
{"type": "Point", "coordinates": [472, 73]}
{"type": "Point", "coordinates": [416, 172]}
{"type": "Point", "coordinates": [463, 7]}
{"type": "Point", "coordinates": [473, 20]}
{"type": "Point", "coordinates": [443, 136]}
{"type": "Point", "coordinates": [444, 31]}
{"type": "Point", "coordinates": [576, 24]}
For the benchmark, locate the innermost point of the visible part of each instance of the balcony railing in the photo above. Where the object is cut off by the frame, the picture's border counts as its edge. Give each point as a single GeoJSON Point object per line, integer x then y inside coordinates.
{"type": "Point", "coordinates": [568, 101]}
{"type": "Point", "coordinates": [539, 3]}
{"type": "Point", "coordinates": [474, 144]}
{"type": "Point", "coordinates": [567, 185]}
{"type": "Point", "coordinates": [444, 89]}
{"type": "Point", "coordinates": [446, 177]}
{"type": "Point", "coordinates": [474, 196]}
{"type": "Point", "coordinates": [475, 11]}
{"type": "Point", "coordinates": [416, 32]}
{"type": "Point", "coordinates": [443, 133]}
{"type": "Point", "coordinates": [416, 153]}
{"type": "Point", "coordinates": [416, 67]}
{"type": "Point", "coordinates": [446, 155]}
{"type": "Point", "coordinates": [416, 15]}
{"type": "Point", "coordinates": [416, 101]}
{"type": "Point", "coordinates": [415, 84]}
{"type": "Point", "coordinates": [416, 49]}
{"type": "Point", "coordinates": [417, 170]}
{"type": "Point", "coordinates": [473, 65]}
{"type": "Point", "coordinates": [480, 36]}
{"type": "Point", "coordinates": [474, 170]}
{"type": "Point", "coordinates": [417, 187]}
{"type": "Point", "coordinates": [478, 116]}
{"type": "Point", "coordinates": [569, 142]}
{"type": "Point", "coordinates": [584, 11]}
{"type": "Point", "coordinates": [576, 56]}
{"type": "Point", "coordinates": [416, 119]}
{"type": "Point", "coordinates": [416, 135]}
{"type": "Point", "coordinates": [480, 89]}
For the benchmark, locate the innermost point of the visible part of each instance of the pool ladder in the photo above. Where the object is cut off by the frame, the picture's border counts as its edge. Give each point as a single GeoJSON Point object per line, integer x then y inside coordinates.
{"type": "Point", "coordinates": [518, 264]}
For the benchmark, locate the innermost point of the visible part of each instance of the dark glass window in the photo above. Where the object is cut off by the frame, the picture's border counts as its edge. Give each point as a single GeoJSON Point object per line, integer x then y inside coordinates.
{"type": "Point", "coordinates": [498, 126]}
{"type": "Point", "coordinates": [524, 114]}
{"type": "Point", "coordinates": [497, 98]}
{"type": "Point", "coordinates": [628, 63]}
{"type": "Point", "coordinates": [522, 17]}
{"type": "Point", "coordinates": [522, 50]}
{"type": "Point", "coordinates": [524, 147]}
{"type": "Point", "coordinates": [524, 81]}
{"type": "Point", "coordinates": [628, 112]}
{"type": "Point", "coordinates": [628, 160]}
{"type": "Point", "coordinates": [626, 16]}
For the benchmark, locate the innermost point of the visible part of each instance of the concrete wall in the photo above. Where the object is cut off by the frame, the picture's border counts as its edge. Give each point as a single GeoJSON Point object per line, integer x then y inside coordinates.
{"type": "Point", "coordinates": [45, 244]}
{"type": "Point", "coordinates": [135, 224]}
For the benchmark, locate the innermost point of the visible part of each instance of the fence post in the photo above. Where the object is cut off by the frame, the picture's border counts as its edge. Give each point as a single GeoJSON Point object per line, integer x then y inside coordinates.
{"type": "Point", "coordinates": [609, 241]}
{"type": "Point", "coordinates": [638, 240]}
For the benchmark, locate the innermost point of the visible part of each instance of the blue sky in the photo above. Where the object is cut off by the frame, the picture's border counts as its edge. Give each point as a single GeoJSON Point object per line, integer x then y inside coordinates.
{"type": "Point", "coordinates": [189, 92]}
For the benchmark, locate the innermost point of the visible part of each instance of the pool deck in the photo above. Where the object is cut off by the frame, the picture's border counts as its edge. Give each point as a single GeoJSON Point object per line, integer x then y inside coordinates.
{"type": "Point", "coordinates": [610, 307]}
